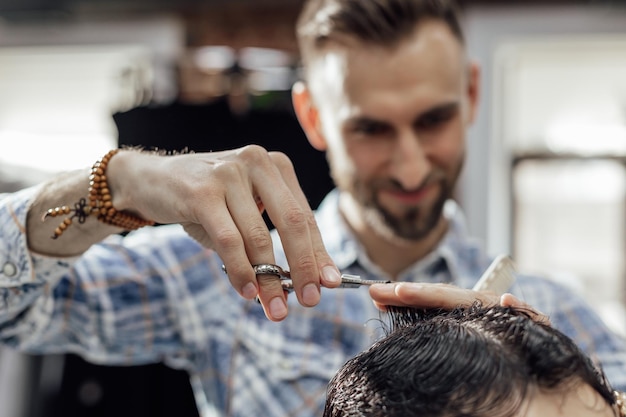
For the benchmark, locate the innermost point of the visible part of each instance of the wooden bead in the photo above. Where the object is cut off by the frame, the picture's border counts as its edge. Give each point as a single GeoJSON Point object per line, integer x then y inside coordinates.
{"type": "Point", "coordinates": [98, 202]}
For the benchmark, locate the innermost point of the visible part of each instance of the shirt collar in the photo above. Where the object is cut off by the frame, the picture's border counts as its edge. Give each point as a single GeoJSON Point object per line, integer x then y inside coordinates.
{"type": "Point", "coordinates": [451, 261]}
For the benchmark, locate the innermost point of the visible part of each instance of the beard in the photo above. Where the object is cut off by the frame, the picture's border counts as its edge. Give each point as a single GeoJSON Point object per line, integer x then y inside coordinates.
{"type": "Point", "coordinates": [413, 224]}
{"type": "Point", "coordinates": [406, 225]}
{"type": "Point", "coordinates": [409, 224]}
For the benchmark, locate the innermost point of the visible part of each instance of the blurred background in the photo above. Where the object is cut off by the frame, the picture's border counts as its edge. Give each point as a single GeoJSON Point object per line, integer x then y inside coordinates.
{"type": "Point", "coordinates": [545, 178]}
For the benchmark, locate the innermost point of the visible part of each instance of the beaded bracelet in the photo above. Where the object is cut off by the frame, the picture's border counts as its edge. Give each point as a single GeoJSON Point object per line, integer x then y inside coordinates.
{"type": "Point", "coordinates": [620, 402]}
{"type": "Point", "coordinates": [100, 203]}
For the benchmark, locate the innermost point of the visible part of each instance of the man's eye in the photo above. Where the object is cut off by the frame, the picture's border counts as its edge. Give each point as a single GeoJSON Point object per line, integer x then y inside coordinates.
{"type": "Point", "coordinates": [434, 120]}
{"type": "Point", "coordinates": [370, 129]}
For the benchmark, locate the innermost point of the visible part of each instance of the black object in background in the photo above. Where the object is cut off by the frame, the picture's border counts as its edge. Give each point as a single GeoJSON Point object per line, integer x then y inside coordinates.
{"type": "Point", "coordinates": [89, 390]}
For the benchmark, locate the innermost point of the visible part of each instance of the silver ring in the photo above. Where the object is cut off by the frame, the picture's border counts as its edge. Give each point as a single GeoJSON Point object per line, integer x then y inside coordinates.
{"type": "Point", "coordinates": [268, 269]}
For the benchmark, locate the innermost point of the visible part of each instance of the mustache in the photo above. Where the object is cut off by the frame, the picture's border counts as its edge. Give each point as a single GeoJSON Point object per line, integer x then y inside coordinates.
{"type": "Point", "coordinates": [394, 185]}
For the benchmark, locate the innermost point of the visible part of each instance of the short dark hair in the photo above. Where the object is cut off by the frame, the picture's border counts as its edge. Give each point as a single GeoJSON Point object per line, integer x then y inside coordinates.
{"type": "Point", "coordinates": [476, 361]}
{"type": "Point", "coordinates": [382, 22]}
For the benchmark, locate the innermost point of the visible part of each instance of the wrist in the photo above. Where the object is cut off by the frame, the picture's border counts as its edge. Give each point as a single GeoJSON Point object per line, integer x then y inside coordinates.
{"type": "Point", "coordinates": [98, 203]}
{"type": "Point", "coordinates": [121, 174]}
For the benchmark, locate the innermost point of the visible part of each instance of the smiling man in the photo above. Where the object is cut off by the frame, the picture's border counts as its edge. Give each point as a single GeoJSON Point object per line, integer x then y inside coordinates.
{"type": "Point", "coordinates": [391, 114]}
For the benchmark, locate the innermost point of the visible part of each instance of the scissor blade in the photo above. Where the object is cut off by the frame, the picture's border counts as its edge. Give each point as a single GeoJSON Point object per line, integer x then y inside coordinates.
{"type": "Point", "coordinates": [355, 281]}
{"type": "Point", "coordinates": [347, 281]}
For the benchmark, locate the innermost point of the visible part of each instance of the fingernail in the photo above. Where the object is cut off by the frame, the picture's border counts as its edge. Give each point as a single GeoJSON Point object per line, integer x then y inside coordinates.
{"type": "Point", "coordinates": [385, 286]}
{"type": "Point", "coordinates": [382, 288]}
{"type": "Point", "coordinates": [249, 291]}
{"type": "Point", "coordinates": [407, 288]}
{"type": "Point", "coordinates": [310, 295]}
{"type": "Point", "coordinates": [331, 275]}
{"type": "Point", "coordinates": [278, 308]}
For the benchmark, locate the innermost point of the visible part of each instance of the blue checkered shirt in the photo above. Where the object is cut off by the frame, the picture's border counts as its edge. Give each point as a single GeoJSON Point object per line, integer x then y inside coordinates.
{"type": "Point", "coordinates": [156, 295]}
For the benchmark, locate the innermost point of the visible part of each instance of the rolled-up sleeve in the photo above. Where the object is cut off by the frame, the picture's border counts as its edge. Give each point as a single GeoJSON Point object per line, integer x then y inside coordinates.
{"type": "Point", "coordinates": [24, 276]}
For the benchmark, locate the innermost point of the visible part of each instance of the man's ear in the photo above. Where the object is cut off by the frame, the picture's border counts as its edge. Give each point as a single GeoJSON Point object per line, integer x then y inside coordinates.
{"type": "Point", "coordinates": [308, 115]}
{"type": "Point", "coordinates": [473, 89]}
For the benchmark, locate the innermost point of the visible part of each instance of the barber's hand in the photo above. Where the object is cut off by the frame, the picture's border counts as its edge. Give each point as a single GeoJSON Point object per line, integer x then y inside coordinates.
{"type": "Point", "coordinates": [447, 297]}
{"type": "Point", "coordinates": [219, 198]}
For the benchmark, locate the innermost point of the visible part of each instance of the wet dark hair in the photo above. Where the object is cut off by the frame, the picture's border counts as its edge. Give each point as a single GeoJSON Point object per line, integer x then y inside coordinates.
{"type": "Point", "coordinates": [381, 22]}
{"type": "Point", "coordinates": [469, 362]}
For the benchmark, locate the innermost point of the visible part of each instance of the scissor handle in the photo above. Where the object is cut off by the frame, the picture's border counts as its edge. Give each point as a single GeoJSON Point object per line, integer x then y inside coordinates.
{"type": "Point", "coordinates": [347, 280]}
{"type": "Point", "coordinates": [267, 269]}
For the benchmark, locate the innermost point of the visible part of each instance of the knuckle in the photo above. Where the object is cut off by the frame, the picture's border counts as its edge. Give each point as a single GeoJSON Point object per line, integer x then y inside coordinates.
{"type": "Point", "coordinates": [282, 161]}
{"type": "Point", "coordinates": [306, 264]}
{"type": "Point", "coordinates": [322, 257]}
{"type": "Point", "coordinates": [269, 283]}
{"type": "Point", "coordinates": [227, 170]}
{"type": "Point", "coordinates": [254, 154]}
{"type": "Point", "coordinates": [227, 239]}
{"type": "Point", "coordinates": [309, 218]}
{"type": "Point", "coordinates": [294, 217]}
{"type": "Point", "coordinates": [259, 237]}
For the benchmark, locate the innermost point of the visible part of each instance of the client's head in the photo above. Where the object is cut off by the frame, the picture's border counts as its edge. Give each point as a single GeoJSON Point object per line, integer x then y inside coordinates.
{"type": "Point", "coordinates": [473, 362]}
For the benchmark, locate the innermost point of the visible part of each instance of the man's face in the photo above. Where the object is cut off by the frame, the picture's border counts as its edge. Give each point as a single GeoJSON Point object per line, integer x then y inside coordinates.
{"type": "Point", "coordinates": [393, 123]}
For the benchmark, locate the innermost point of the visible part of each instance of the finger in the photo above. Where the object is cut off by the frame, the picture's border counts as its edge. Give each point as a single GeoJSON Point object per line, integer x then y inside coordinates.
{"type": "Point", "coordinates": [274, 306]}
{"type": "Point", "coordinates": [509, 300]}
{"type": "Point", "coordinates": [330, 275]}
{"type": "Point", "coordinates": [244, 211]}
{"type": "Point", "coordinates": [227, 240]}
{"type": "Point", "coordinates": [198, 232]}
{"type": "Point", "coordinates": [292, 216]}
{"type": "Point", "coordinates": [289, 217]}
{"type": "Point", "coordinates": [230, 199]}
{"type": "Point", "coordinates": [228, 243]}
{"type": "Point", "coordinates": [420, 295]}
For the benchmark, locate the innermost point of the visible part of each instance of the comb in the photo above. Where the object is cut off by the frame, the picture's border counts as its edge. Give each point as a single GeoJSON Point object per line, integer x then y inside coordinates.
{"type": "Point", "coordinates": [498, 277]}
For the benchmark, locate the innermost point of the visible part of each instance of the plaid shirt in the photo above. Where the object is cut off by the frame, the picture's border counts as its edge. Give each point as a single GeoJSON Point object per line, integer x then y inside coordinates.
{"type": "Point", "coordinates": [156, 295]}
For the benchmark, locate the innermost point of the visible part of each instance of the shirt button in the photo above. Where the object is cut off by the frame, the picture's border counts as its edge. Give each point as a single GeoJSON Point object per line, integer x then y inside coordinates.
{"type": "Point", "coordinates": [9, 269]}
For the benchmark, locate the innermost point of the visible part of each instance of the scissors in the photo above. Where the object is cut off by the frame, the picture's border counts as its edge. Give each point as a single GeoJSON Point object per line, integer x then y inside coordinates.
{"type": "Point", "coordinates": [347, 280]}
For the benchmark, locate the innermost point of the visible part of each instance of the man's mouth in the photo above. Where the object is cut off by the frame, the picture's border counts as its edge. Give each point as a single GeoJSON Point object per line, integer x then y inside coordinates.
{"type": "Point", "coordinates": [412, 198]}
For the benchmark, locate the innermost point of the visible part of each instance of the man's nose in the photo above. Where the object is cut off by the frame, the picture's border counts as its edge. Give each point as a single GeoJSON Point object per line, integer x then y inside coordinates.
{"type": "Point", "coordinates": [410, 164]}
